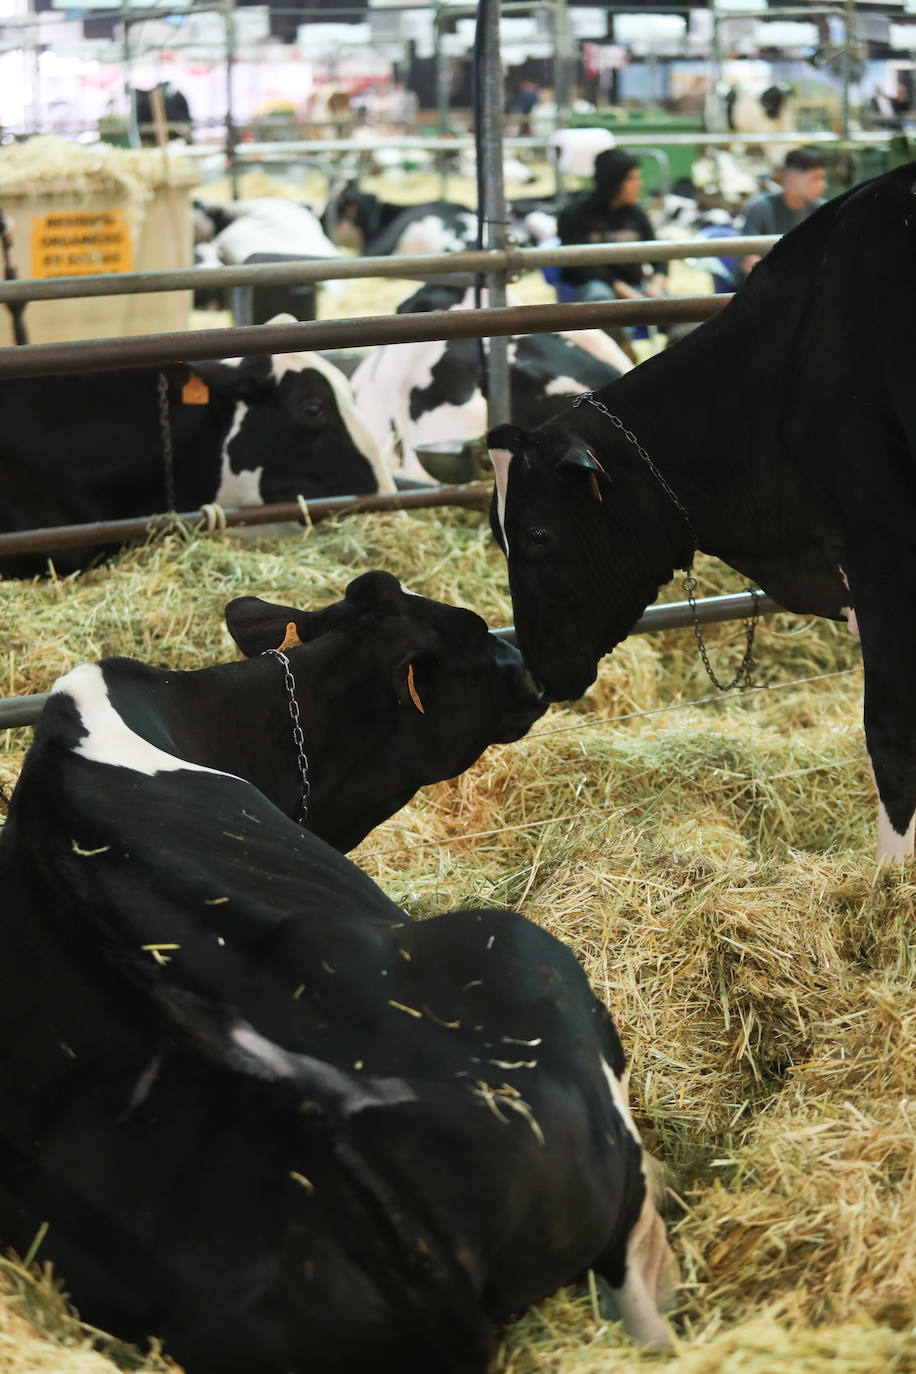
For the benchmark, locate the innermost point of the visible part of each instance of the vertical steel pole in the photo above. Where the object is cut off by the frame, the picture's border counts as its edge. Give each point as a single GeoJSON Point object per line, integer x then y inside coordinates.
{"type": "Point", "coordinates": [494, 206]}
{"type": "Point", "coordinates": [133, 130]}
{"type": "Point", "coordinates": [443, 99]}
{"type": "Point", "coordinates": [229, 19]}
{"type": "Point", "coordinates": [849, 37]}
{"type": "Point", "coordinates": [714, 119]}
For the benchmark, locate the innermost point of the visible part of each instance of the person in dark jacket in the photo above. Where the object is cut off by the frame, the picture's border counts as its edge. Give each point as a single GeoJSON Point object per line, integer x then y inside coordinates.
{"type": "Point", "coordinates": [610, 213]}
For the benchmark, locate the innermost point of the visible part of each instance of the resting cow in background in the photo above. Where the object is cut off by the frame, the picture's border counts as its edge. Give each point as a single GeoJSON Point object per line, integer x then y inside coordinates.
{"type": "Point", "coordinates": [427, 391]}
{"type": "Point", "coordinates": [266, 1117]}
{"type": "Point", "coordinates": [377, 228]}
{"type": "Point", "coordinates": [779, 436]}
{"type": "Point", "coordinates": [76, 449]}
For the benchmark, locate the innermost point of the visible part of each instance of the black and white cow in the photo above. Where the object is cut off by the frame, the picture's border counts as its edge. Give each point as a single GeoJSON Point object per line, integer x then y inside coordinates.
{"type": "Point", "coordinates": [265, 1116]}
{"type": "Point", "coordinates": [379, 228]}
{"type": "Point", "coordinates": [428, 391]}
{"type": "Point", "coordinates": [84, 448]}
{"type": "Point", "coordinates": [781, 436]}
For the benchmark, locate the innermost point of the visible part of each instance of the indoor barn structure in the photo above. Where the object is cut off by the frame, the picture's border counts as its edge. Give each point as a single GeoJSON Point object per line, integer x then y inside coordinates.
{"type": "Point", "coordinates": [457, 778]}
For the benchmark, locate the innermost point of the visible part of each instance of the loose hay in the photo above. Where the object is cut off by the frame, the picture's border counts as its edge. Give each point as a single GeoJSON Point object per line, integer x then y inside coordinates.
{"type": "Point", "coordinates": [710, 861]}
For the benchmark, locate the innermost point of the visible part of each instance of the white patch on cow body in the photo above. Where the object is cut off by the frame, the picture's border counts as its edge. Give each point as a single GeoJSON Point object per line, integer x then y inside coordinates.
{"type": "Point", "coordinates": [432, 235]}
{"type": "Point", "coordinates": [618, 1087]}
{"type": "Point", "coordinates": [564, 386]}
{"type": "Point", "coordinates": [501, 458]}
{"type": "Point", "coordinates": [144, 1083]}
{"type": "Point", "coordinates": [892, 846]}
{"type": "Point", "coordinates": [272, 1061]}
{"type": "Point", "coordinates": [109, 739]}
{"type": "Point", "coordinates": [848, 611]}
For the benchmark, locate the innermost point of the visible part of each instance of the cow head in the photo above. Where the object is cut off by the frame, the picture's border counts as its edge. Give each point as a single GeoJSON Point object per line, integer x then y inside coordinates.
{"type": "Point", "coordinates": [589, 537]}
{"type": "Point", "coordinates": [295, 431]}
{"type": "Point", "coordinates": [396, 691]}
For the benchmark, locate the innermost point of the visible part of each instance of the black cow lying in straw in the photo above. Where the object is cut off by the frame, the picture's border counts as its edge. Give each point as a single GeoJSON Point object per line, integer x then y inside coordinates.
{"type": "Point", "coordinates": [78, 449]}
{"type": "Point", "coordinates": [266, 1117]}
{"type": "Point", "coordinates": [780, 436]}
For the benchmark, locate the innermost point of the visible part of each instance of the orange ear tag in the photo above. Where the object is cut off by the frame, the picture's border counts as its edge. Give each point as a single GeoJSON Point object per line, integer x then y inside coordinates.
{"type": "Point", "coordinates": [596, 490]}
{"type": "Point", "coordinates": [291, 638]}
{"type": "Point", "coordinates": [414, 694]}
{"type": "Point", "coordinates": [195, 392]}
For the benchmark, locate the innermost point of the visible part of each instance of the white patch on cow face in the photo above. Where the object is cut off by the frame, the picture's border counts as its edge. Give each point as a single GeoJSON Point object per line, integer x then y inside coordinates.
{"type": "Point", "coordinates": [501, 458]}
{"type": "Point", "coordinates": [619, 1095]}
{"type": "Point", "coordinates": [356, 426]}
{"type": "Point", "coordinates": [109, 739]}
{"type": "Point", "coordinates": [238, 488]}
{"type": "Point", "coordinates": [892, 846]}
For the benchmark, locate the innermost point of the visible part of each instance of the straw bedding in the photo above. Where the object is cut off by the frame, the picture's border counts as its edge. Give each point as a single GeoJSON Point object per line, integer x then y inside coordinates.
{"type": "Point", "coordinates": [708, 858]}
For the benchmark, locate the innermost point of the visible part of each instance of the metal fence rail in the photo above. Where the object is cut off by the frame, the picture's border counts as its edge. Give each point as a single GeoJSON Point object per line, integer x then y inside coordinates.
{"type": "Point", "coordinates": [18, 711]}
{"type": "Point", "coordinates": [413, 268]}
{"type": "Point", "coordinates": [157, 350]}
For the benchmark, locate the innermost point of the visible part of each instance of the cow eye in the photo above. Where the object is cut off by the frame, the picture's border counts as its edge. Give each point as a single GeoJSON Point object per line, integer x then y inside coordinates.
{"type": "Point", "coordinates": [313, 409]}
{"type": "Point", "coordinates": [539, 540]}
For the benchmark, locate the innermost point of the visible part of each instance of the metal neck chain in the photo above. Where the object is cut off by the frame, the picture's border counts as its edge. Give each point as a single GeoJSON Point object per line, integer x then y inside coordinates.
{"type": "Point", "coordinates": [744, 674]}
{"type": "Point", "coordinates": [298, 736]}
{"type": "Point", "coordinates": [165, 435]}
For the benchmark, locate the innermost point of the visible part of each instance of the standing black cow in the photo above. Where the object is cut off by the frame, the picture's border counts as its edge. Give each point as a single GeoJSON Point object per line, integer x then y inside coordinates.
{"type": "Point", "coordinates": [76, 449]}
{"type": "Point", "coordinates": [780, 436]}
{"type": "Point", "coordinates": [266, 1116]}
{"type": "Point", "coordinates": [381, 228]}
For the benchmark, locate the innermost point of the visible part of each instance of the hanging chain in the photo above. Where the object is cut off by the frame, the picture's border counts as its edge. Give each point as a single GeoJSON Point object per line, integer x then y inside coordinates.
{"type": "Point", "coordinates": [298, 736]}
{"type": "Point", "coordinates": [744, 675]}
{"type": "Point", "coordinates": [165, 434]}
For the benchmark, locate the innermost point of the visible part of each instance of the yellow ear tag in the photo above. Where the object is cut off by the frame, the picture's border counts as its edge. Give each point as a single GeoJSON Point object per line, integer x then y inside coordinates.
{"type": "Point", "coordinates": [414, 694]}
{"type": "Point", "coordinates": [596, 490]}
{"type": "Point", "coordinates": [195, 392]}
{"type": "Point", "coordinates": [291, 638]}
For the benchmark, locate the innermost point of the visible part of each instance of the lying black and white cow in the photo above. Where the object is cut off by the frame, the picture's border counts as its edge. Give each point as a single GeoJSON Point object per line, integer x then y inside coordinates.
{"type": "Point", "coordinates": [379, 228]}
{"type": "Point", "coordinates": [780, 436]}
{"type": "Point", "coordinates": [427, 391]}
{"type": "Point", "coordinates": [84, 448]}
{"type": "Point", "coordinates": [265, 1116]}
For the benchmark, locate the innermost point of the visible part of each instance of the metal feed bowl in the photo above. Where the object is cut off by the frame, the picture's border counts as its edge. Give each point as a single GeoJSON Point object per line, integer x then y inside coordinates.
{"type": "Point", "coordinates": [451, 460]}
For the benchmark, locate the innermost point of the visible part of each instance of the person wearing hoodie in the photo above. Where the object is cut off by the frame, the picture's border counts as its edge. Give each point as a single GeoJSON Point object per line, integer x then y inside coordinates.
{"type": "Point", "coordinates": [610, 213]}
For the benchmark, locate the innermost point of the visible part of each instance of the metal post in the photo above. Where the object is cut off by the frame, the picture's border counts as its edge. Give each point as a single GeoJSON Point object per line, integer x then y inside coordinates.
{"type": "Point", "coordinates": [849, 37]}
{"type": "Point", "coordinates": [443, 99]}
{"type": "Point", "coordinates": [229, 19]}
{"type": "Point", "coordinates": [714, 118]}
{"type": "Point", "coordinates": [494, 197]}
{"type": "Point", "coordinates": [561, 63]}
{"type": "Point", "coordinates": [133, 131]}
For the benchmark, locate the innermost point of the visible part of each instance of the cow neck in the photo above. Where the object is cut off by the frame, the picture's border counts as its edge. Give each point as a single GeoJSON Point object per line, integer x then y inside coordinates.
{"type": "Point", "coordinates": [250, 732]}
{"type": "Point", "coordinates": [706, 411]}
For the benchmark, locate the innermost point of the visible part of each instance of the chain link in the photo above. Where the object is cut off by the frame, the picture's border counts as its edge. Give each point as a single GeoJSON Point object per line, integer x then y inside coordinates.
{"type": "Point", "coordinates": [165, 434]}
{"type": "Point", "coordinates": [744, 675]}
{"type": "Point", "coordinates": [297, 734]}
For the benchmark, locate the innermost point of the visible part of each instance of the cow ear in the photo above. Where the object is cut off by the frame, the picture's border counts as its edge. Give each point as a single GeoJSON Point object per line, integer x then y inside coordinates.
{"type": "Point", "coordinates": [580, 458]}
{"type": "Point", "coordinates": [257, 625]}
{"type": "Point", "coordinates": [507, 439]}
{"type": "Point", "coordinates": [579, 455]}
{"type": "Point", "coordinates": [247, 381]}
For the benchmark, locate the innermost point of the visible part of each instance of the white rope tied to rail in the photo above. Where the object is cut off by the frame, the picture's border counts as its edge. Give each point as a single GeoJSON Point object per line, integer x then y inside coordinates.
{"type": "Point", "coordinates": [306, 515]}
{"type": "Point", "coordinates": [215, 516]}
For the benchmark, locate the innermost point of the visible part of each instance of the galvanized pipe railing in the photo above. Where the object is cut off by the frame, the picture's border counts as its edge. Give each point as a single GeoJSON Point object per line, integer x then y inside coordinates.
{"type": "Point", "coordinates": [157, 350]}
{"type": "Point", "coordinates": [104, 532]}
{"type": "Point", "coordinates": [19, 711]}
{"type": "Point", "coordinates": [415, 267]}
